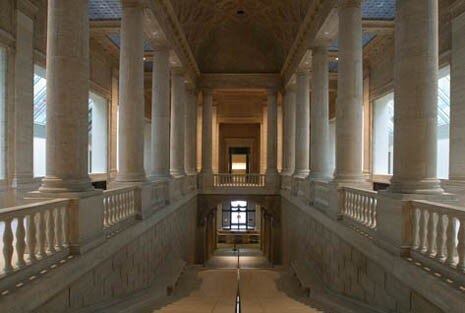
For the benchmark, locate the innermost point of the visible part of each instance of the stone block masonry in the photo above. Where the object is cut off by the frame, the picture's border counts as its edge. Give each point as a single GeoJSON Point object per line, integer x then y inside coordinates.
{"type": "Point", "coordinates": [347, 269]}
{"type": "Point", "coordinates": [144, 262]}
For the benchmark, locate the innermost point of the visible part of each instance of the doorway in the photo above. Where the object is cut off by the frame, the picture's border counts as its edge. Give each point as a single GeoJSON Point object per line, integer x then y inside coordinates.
{"type": "Point", "coordinates": [239, 160]}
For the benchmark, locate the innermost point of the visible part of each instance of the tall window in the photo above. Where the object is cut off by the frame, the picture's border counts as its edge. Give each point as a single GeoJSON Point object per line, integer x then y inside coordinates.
{"type": "Point", "coordinates": [97, 128]}
{"type": "Point", "coordinates": [384, 129]}
{"type": "Point", "coordinates": [238, 217]}
{"type": "Point", "coordinates": [40, 119]}
{"type": "Point", "coordinates": [443, 123]}
{"type": "Point", "coordinates": [2, 111]}
{"type": "Point", "coordinates": [383, 135]}
{"type": "Point", "coordinates": [97, 134]}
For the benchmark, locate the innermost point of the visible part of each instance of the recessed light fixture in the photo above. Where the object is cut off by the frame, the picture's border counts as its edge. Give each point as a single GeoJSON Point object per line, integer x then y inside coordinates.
{"type": "Point", "coordinates": [145, 58]}
{"type": "Point", "coordinates": [337, 59]}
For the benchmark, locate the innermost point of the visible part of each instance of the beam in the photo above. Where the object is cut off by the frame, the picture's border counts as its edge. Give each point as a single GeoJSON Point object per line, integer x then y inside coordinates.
{"type": "Point", "coordinates": [240, 81]}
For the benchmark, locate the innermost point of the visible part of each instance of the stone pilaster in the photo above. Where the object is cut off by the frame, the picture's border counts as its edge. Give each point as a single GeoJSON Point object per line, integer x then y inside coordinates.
{"type": "Point", "coordinates": [272, 134]}
{"type": "Point", "coordinates": [302, 124]}
{"type": "Point", "coordinates": [319, 137]}
{"type": "Point", "coordinates": [23, 171]}
{"type": "Point", "coordinates": [67, 97]}
{"type": "Point", "coordinates": [131, 96]}
{"type": "Point", "coordinates": [178, 98]}
{"type": "Point", "coordinates": [349, 127]}
{"type": "Point", "coordinates": [289, 131]}
{"type": "Point", "coordinates": [207, 132]}
{"type": "Point", "coordinates": [416, 93]}
{"type": "Point", "coordinates": [160, 114]}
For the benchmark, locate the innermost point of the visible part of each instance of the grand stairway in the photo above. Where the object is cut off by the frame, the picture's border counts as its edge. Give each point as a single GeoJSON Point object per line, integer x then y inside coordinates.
{"type": "Point", "coordinates": [212, 289]}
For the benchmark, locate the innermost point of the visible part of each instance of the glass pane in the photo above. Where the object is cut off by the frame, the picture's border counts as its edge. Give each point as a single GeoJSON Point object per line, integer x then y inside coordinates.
{"type": "Point", "coordinates": [40, 121]}
{"type": "Point", "coordinates": [443, 123]}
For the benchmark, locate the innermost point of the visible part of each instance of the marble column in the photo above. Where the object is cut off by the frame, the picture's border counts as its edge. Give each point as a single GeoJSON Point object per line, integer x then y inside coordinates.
{"type": "Point", "coordinates": [319, 116]}
{"type": "Point", "coordinates": [178, 97]}
{"type": "Point", "coordinates": [349, 127]}
{"type": "Point", "coordinates": [289, 131]}
{"type": "Point", "coordinates": [416, 96]}
{"type": "Point", "coordinates": [160, 168]}
{"type": "Point", "coordinates": [190, 139]}
{"type": "Point", "coordinates": [23, 170]}
{"type": "Point", "coordinates": [67, 97]}
{"type": "Point", "coordinates": [302, 124]}
{"type": "Point", "coordinates": [272, 134]}
{"type": "Point", "coordinates": [457, 102]}
{"type": "Point", "coordinates": [207, 132]}
{"type": "Point", "coordinates": [131, 96]}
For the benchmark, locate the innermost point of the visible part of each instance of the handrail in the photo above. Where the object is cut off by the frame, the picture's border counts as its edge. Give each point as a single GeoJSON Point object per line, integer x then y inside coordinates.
{"type": "Point", "coordinates": [237, 307]}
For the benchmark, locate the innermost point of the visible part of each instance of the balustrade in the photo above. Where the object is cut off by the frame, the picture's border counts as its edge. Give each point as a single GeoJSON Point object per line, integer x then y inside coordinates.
{"type": "Point", "coordinates": [439, 233]}
{"type": "Point", "coordinates": [320, 194]}
{"type": "Point", "coordinates": [31, 233]}
{"type": "Point", "coordinates": [238, 180]}
{"type": "Point", "coordinates": [118, 206]}
{"type": "Point", "coordinates": [359, 205]}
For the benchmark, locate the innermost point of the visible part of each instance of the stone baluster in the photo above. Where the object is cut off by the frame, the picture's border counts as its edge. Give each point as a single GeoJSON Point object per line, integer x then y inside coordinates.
{"type": "Point", "coordinates": [59, 228]}
{"type": "Point", "coordinates": [7, 246]}
{"type": "Point", "coordinates": [51, 231]}
{"type": "Point", "coordinates": [20, 242]}
{"type": "Point", "coordinates": [431, 235]}
{"type": "Point", "coordinates": [461, 246]}
{"type": "Point", "coordinates": [41, 235]}
{"type": "Point", "coordinates": [440, 238]}
{"type": "Point", "coordinates": [423, 231]}
{"type": "Point", "coordinates": [31, 234]}
{"type": "Point", "coordinates": [451, 230]}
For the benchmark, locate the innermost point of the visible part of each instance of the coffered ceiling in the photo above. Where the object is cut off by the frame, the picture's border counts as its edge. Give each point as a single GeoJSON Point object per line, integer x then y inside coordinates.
{"type": "Point", "coordinates": [240, 35]}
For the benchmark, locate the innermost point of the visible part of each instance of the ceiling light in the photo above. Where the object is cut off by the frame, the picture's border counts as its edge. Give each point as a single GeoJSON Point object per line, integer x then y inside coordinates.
{"type": "Point", "coordinates": [337, 59]}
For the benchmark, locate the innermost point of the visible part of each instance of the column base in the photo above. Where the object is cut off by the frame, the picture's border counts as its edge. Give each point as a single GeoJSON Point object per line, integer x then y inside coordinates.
{"type": "Point", "coordinates": [159, 177]}
{"type": "Point", "coordinates": [426, 186]}
{"type": "Point", "coordinates": [54, 185]}
{"type": "Point", "coordinates": [176, 173]}
{"type": "Point", "coordinates": [321, 175]}
{"type": "Point", "coordinates": [301, 173]}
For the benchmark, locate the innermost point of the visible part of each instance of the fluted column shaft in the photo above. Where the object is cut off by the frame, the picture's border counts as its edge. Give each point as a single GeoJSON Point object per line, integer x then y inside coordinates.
{"type": "Point", "coordinates": [178, 99]}
{"type": "Point", "coordinates": [349, 127]}
{"type": "Point", "coordinates": [302, 124]}
{"type": "Point", "coordinates": [272, 134]}
{"type": "Point", "coordinates": [67, 97]}
{"type": "Point", "coordinates": [190, 140]}
{"type": "Point", "coordinates": [416, 94]}
{"type": "Point", "coordinates": [160, 114]}
{"type": "Point", "coordinates": [207, 132]}
{"type": "Point", "coordinates": [319, 116]}
{"type": "Point", "coordinates": [131, 96]}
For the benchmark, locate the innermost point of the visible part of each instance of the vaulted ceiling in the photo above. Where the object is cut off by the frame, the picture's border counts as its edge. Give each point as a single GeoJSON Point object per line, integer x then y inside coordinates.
{"type": "Point", "coordinates": [240, 35]}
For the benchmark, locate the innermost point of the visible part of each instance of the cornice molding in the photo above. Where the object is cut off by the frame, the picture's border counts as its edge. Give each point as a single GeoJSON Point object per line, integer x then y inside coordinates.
{"type": "Point", "coordinates": [315, 18]}
{"type": "Point", "coordinates": [166, 17]}
{"type": "Point", "coordinates": [27, 7]}
{"type": "Point", "coordinates": [240, 81]}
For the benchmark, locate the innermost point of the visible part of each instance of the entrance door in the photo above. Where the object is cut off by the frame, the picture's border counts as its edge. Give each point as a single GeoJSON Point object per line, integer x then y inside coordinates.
{"type": "Point", "coordinates": [239, 158]}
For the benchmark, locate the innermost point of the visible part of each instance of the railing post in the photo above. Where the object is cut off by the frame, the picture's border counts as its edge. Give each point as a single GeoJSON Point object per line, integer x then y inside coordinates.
{"type": "Point", "coordinates": [341, 203]}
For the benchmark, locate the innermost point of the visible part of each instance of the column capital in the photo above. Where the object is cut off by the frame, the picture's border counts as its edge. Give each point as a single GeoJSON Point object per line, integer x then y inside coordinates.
{"type": "Point", "coordinates": [177, 70]}
{"type": "Point", "coordinates": [291, 87]}
{"type": "Point", "coordinates": [303, 70]}
{"type": "Point", "coordinates": [350, 4]}
{"type": "Point", "coordinates": [27, 7]}
{"type": "Point", "coordinates": [207, 91]}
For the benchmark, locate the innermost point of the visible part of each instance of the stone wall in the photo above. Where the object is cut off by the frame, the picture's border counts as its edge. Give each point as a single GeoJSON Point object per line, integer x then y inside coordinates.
{"type": "Point", "coordinates": [343, 268]}
{"type": "Point", "coordinates": [142, 263]}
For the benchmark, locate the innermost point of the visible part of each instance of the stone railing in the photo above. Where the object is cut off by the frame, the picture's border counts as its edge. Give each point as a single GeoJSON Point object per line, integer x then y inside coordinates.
{"type": "Point", "coordinates": [359, 206]}
{"type": "Point", "coordinates": [119, 208]}
{"type": "Point", "coordinates": [239, 180]}
{"type": "Point", "coordinates": [32, 234]}
{"type": "Point", "coordinates": [439, 235]}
